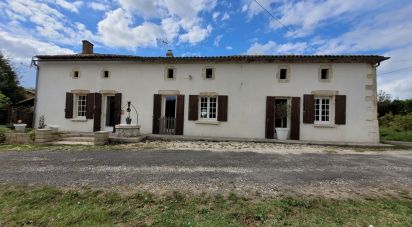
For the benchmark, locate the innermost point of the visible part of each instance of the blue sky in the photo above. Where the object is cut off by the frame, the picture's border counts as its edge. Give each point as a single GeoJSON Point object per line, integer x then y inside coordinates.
{"type": "Point", "coordinates": [213, 27]}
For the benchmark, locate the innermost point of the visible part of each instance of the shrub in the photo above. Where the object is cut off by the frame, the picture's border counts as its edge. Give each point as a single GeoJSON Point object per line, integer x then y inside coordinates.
{"type": "Point", "coordinates": [386, 120]}
{"type": "Point", "coordinates": [402, 123]}
{"type": "Point", "coordinates": [2, 132]}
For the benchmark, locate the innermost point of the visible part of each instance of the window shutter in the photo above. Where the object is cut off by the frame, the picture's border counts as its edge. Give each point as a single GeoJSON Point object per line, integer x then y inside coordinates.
{"type": "Point", "coordinates": [308, 109]}
{"type": "Point", "coordinates": [222, 102]}
{"type": "Point", "coordinates": [117, 109]}
{"type": "Point", "coordinates": [180, 109]}
{"type": "Point", "coordinates": [270, 117]}
{"type": "Point", "coordinates": [90, 106]}
{"type": "Point", "coordinates": [157, 111]}
{"type": "Point", "coordinates": [340, 109]}
{"type": "Point", "coordinates": [295, 118]}
{"type": "Point", "coordinates": [68, 111]}
{"type": "Point", "coordinates": [97, 112]}
{"type": "Point", "coordinates": [193, 107]}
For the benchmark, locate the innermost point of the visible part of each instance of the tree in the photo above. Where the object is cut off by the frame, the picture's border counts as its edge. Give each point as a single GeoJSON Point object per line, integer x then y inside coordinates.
{"type": "Point", "coordinates": [9, 82]}
{"type": "Point", "coordinates": [384, 103]}
{"type": "Point", "coordinates": [383, 96]}
{"type": "Point", "coordinates": [4, 100]}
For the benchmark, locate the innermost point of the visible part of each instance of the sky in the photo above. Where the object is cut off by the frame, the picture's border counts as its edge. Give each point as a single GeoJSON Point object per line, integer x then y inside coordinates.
{"type": "Point", "coordinates": [212, 27]}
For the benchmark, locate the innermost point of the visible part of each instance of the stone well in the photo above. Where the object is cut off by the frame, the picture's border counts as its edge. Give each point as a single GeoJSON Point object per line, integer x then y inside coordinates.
{"type": "Point", "coordinates": [125, 130]}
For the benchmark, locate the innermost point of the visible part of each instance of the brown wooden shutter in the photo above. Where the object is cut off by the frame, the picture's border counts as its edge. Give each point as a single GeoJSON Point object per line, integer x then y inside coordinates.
{"type": "Point", "coordinates": [180, 109]}
{"type": "Point", "coordinates": [270, 117]}
{"type": "Point", "coordinates": [222, 102]}
{"type": "Point", "coordinates": [90, 106]}
{"type": "Point", "coordinates": [68, 111]}
{"type": "Point", "coordinates": [340, 109]}
{"type": "Point", "coordinates": [117, 110]}
{"type": "Point", "coordinates": [295, 118]}
{"type": "Point", "coordinates": [193, 107]}
{"type": "Point", "coordinates": [308, 109]}
{"type": "Point", "coordinates": [97, 112]}
{"type": "Point", "coordinates": [157, 111]}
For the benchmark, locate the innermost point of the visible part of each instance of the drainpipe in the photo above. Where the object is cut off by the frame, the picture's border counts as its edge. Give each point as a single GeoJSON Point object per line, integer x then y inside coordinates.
{"type": "Point", "coordinates": [34, 64]}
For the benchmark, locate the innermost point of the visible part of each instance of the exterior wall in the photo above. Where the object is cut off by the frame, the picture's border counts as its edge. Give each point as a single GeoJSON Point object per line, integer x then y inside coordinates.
{"type": "Point", "coordinates": [247, 86]}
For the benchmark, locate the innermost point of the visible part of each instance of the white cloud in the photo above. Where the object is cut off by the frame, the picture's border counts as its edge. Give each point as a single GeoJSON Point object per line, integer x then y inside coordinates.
{"type": "Point", "coordinates": [229, 48]}
{"type": "Point", "coordinates": [48, 22]}
{"type": "Point", "coordinates": [20, 50]}
{"type": "Point", "coordinates": [195, 34]}
{"type": "Point", "coordinates": [272, 47]}
{"type": "Point", "coordinates": [225, 16]}
{"type": "Point", "coordinates": [215, 15]}
{"type": "Point", "coordinates": [98, 6]}
{"type": "Point", "coordinates": [303, 17]}
{"type": "Point", "coordinates": [216, 42]}
{"type": "Point", "coordinates": [185, 15]}
{"type": "Point", "coordinates": [117, 30]}
{"type": "Point", "coordinates": [71, 6]}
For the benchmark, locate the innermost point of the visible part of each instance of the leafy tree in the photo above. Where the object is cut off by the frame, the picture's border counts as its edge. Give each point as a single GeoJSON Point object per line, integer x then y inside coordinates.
{"type": "Point", "coordinates": [4, 100]}
{"type": "Point", "coordinates": [9, 82]}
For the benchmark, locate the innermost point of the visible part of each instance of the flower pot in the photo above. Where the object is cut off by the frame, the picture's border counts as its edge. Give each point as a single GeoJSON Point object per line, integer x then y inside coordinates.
{"type": "Point", "coordinates": [282, 133]}
{"type": "Point", "coordinates": [20, 127]}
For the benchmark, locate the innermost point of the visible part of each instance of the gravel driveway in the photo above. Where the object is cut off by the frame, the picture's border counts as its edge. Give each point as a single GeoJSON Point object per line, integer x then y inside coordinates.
{"type": "Point", "coordinates": [161, 171]}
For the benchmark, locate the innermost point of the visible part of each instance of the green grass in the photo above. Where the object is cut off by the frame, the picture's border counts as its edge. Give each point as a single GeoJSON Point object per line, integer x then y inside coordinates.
{"type": "Point", "coordinates": [390, 134]}
{"type": "Point", "coordinates": [48, 206]}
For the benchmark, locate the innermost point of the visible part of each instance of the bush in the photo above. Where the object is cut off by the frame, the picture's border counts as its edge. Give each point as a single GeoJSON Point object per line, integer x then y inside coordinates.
{"type": "Point", "coordinates": [402, 123]}
{"type": "Point", "coordinates": [386, 120]}
{"type": "Point", "coordinates": [2, 136]}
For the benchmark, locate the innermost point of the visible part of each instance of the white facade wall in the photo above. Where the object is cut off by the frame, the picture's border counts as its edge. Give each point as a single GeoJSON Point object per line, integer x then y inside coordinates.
{"type": "Point", "coordinates": [246, 85]}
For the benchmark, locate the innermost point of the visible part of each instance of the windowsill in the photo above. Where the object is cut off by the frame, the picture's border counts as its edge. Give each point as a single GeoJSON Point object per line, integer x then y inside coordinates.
{"type": "Point", "coordinates": [324, 125]}
{"type": "Point", "coordinates": [208, 122]}
{"type": "Point", "coordinates": [79, 119]}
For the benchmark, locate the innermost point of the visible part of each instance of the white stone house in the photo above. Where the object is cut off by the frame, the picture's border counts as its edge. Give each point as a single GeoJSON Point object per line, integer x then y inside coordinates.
{"type": "Point", "coordinates": [329, 97]}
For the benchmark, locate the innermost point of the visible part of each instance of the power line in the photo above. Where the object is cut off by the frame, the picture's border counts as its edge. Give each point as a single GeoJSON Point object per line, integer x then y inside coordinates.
{"type": "Point", "coordinates": [273, 16]}
{"type": "Point", "coordinates": [284, 26]}
{"type": "Point", "coordinates": [396, 70]}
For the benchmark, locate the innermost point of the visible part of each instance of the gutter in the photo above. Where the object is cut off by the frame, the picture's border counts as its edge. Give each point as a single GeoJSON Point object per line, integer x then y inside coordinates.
{"type": "Point", "coordinates": [34, 64]}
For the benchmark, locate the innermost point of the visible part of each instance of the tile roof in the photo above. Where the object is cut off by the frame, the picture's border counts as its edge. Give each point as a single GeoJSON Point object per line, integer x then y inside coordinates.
{"type": "Point", "coordinates": [372, 59]}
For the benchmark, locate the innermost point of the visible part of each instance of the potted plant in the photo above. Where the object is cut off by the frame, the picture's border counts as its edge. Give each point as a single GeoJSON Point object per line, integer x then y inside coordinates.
{"type": "Point", "coordinates": [20, 127]}
{"type": "Point", "coordinates": [281, 112]}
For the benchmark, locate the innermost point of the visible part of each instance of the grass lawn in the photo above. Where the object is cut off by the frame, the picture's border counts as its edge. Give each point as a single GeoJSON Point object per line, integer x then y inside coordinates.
{"type": "Point", "coordinates": [390, 134]}
{"type": "Point", "coordinates": [48, 206]}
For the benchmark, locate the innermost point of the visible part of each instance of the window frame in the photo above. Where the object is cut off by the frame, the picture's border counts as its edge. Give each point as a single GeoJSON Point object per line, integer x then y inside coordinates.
{"type": "Point", "coordinates": [76, 101]}
{"type": "Point", "coordinates": [330, 110]}
{"type": "Point", "coordinates": [280, 68]}
{"type": "Point", "coordinates": [104, 72]}
{"type": "Point", "coordinates": [73, 72]}
{"type": "Point", "coordinates": [166, 73]}
{"type": "Point", "coordinates": [208, 107]}
{"type": "Point", "coordinates": [204, 73]}
{"type": "Point", "coordinates": [330, 73]}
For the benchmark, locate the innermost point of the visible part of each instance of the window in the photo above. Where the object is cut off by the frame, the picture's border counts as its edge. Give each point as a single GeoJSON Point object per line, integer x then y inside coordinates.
{"type": "Point", "coordinates": [80, 106]}
{"type": "Point", "coordinates": [209, 73]}
{"type": "Point", "coordinates": [170, 73]}
{"type": "Point", "coordinates": [324, 74]}
{"type": "Point", "coordinates": [106, 74]}
{"type": "Point", "coordinates": [283, 74]}
{"type": "Point", "coordinates": [76, 74]}
{"type": "Point", "coordinates": [322, 110]}
{"type": "Point", "coordinates": [208, 108]}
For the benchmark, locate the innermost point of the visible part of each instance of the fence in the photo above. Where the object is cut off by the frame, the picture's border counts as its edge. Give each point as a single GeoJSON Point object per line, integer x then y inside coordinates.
{"type": "Point", "coordinates": [167, 125]}
{"type": "Point", "coordinates": [23, 114]}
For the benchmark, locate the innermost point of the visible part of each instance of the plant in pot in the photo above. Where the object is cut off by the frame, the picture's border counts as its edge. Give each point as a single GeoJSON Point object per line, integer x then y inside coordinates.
{"type": "Point", "coordinates": [281, 113]}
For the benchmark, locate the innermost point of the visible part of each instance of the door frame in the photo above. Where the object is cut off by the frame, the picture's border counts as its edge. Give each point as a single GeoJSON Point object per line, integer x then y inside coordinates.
{"type": "Point", "coordinates": [104, 108]}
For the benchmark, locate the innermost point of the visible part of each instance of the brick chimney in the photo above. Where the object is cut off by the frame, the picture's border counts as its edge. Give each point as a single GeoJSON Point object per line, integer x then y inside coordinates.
{"type": "Point", "coordinates": [87, 47]}
{"type": "Point", "coordinates": [169, 53]}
